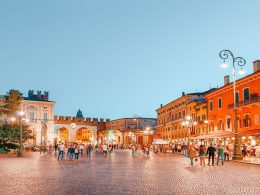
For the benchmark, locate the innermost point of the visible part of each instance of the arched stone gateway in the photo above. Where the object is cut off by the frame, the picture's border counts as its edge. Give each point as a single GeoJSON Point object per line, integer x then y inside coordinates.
{"type": "Point", "coordinates": [78, 128]}
{"type": "Point", "coordinates": [62, 135]}
{"type": "Point", "coordinates": [84, 135]}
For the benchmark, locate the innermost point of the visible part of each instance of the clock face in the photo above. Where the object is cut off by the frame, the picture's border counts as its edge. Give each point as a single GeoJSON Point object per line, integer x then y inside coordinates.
{"type": "Point", "coordinates": [73, 125]}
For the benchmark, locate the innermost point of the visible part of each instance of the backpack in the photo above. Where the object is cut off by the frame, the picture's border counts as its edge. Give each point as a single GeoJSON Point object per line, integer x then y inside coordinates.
{"type": "Point", "coordinates": [201, 151]}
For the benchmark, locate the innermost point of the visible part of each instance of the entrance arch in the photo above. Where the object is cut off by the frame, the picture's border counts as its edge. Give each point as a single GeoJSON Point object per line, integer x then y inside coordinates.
{"type": "Point", "coordinates": [84, 135]}
{"type": "Point", "coordinates": [63, 135]}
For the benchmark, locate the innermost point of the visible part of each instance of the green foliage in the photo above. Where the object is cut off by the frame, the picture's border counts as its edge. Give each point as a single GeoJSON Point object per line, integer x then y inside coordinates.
{"type": "Point", "coordinates": [11, 133]}
{"type": "Point", "coordinates": [13, 100]}
{"type": "Point", "coordinates": [2, 110]}
{"type": "Point", "coordinates": [9, 105]}
{"type": "Point", "coordinates": [10, 145]}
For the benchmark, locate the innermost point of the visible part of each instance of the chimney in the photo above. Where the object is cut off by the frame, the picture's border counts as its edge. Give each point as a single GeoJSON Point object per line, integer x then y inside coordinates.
{"type": "Point", "coordinates": [226, 80]}
{"type": "Point", "coordinates": [183, 93]}
{"type": "Point", "coordinates": [256, 65]}
{"type": "Point", "coordinates": [161, 105]}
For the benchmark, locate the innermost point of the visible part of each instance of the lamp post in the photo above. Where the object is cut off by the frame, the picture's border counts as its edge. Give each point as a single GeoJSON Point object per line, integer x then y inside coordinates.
{"type": "Point", "coordinates": [236, 62]}
{"type": "Point", "coordinates": [189, 122]}
{"type": "Point", "coordinates": [43, 137]}
{"type": "Point", "coordinates": [147, 131]}
{"type": "Point", "coordinates": [21, 118]}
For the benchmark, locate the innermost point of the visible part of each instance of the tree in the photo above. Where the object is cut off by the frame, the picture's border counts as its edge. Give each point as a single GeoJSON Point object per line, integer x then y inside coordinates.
{"type": "Point", "coordinates": [11, 133]}
{"type": "Point", "coordinates": [2, 109]}
{"type": "Point", "coordinates": [13, 100]}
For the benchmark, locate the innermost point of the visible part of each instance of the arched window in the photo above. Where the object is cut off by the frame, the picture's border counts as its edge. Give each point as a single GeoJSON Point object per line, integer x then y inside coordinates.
{"type": "Point", "coordinates": [229, 125]}
{"type": "Point", "coordinates": [220, 125]}
{"type": "Point", "coordinates": [247, 122]}
{"type": "Point", "coordinates": [246, 94]}
{"type": "Point", "coordinates": [211, 105]}
{"type": "Point", "coordinates": [220, 103]}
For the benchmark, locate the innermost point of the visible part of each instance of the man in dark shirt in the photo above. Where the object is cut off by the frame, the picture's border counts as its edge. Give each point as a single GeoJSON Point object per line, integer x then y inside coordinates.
{"type": "Point", "coordinates": [211, 152]}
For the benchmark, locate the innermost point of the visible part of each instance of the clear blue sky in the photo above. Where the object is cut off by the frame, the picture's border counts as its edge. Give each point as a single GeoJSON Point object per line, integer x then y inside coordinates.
{"type": "Point", "coordinates": [113, 58]}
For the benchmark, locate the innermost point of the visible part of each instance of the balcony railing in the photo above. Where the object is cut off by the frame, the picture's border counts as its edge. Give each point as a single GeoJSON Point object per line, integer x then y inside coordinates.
{"type": "Point", "coordinates": [245, 102]}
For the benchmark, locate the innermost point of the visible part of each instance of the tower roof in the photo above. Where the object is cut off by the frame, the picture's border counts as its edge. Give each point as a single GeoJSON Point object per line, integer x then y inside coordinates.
{"type": "Point", "coordinates": [79, 114]}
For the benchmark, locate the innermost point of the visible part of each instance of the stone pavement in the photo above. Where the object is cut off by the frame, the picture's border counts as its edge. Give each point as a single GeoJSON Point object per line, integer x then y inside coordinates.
{"type": "Point", "coordinates": [124, 174]}
{"type": "Point", "coordinates": [250, 160]}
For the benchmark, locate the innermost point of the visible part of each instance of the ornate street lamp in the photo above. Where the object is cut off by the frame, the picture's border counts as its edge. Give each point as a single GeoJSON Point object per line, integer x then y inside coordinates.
{"type": "Point", "coordinates": [21, 118]}
{"type": "Point", "coordinates": [189, 122]}
{"type": "Point", "coordinates": [148, 131]}
{"type": "Point", "coordinates": [236, 62]}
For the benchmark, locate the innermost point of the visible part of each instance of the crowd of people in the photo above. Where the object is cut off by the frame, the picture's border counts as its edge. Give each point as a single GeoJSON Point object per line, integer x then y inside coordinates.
{"type": "Point", "coordinates": [220, 152]}
{"type": "Point", "coordinates": [72, 151]}
{"type": "Point", "coordinates": [215, 154]}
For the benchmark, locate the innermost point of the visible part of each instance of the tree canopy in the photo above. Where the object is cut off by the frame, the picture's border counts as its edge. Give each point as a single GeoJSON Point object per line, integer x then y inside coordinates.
{"type": "Point", "coordinates": [11, 133]}
{"type": "Point", "coordinates": [9, 105]}
{"type": "Point", "coordinates": [13, 100]}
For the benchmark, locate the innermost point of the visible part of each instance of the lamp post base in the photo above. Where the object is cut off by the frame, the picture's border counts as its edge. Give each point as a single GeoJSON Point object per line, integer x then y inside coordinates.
{"type": "Point", "coordinates": [20, 153]}
{"type": "Point", "coordinates": [237, 157]}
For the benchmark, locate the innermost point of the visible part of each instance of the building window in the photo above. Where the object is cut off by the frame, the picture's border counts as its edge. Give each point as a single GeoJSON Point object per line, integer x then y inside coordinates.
{"type": "Point", "coordinates": [246, 94]}
{"type": "Point", "coordinates": [203, 117]}
{"type": "Point", "coordinates": [247, 122]}
{"type": "Point", "coordinates": [220, 125]}
{"type": "Point", "coordinates": [45, 117]}
{"type": "Point", "coordinates": [31, 107]}
{"type": "Point", "coordinates": [220, 103]}
{"type": "Point", "coordinates": [31, 115]}
{"type": "Point", "coordinates": [228, 123]}
{"type": "Point", "coordinates": [211, 105]}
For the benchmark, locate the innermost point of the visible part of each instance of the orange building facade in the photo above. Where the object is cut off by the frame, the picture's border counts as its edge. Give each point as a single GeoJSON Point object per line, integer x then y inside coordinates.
{"type": "Point", "coordinates": [220, 104]}
{"type": "Point", "coordinates": [171, 116]}
{"type": "Point", "coordinates": [127, 131]}
{"type": "Point", "coordinates": [213, 113]}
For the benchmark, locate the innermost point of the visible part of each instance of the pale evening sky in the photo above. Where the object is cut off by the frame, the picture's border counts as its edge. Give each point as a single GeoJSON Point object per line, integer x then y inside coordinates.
{"type": "Point", "coordinates": [118, 58]}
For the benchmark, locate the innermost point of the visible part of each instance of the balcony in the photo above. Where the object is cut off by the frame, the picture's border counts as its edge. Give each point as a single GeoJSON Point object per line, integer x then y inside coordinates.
{"type": "Point", "coordinates": [246, 102]}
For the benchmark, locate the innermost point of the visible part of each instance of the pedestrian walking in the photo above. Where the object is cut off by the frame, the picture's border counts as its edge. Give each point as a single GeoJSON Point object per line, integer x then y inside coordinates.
{"type": "Point", "coordinates": [202, 152]}
{"type": "Point", "coordinates": [211, 153]}
{"type": "Point", "coordinates": [243, 148]}
{"type": "Point", "coordinates": [192, 154]}
{"type": "Point", "coordinates": [61, 151]}
{"type": "Point", "coordinates": [76, 153]}
{"type": "Point", "coordinates": [179, 148]}
{"type": "Point", "coordinates": [147, 150]}
{"type": "Point", "coordinates": [96, 148]}
{"type": "Point", "coordinates": [55, 148]}
{"type": "Point", "coordinates": [89, 150]}
{"type": "Point", "coordinates": [133, 149]}
{"type": "Point", "coordinates": [220, 154]}
{"type": "Point", "coordinates": [81, 149]}
{"type": "Point", "coordinates": [72, 153]}
{"type": "Point", "coordinates": [68, 153]}
{"type": "Point", "coordinates": [104, 149]}
{"type": "Point", "coordinates": [226, 153]}
{"type": "Point", "coordinates": [110, 149]}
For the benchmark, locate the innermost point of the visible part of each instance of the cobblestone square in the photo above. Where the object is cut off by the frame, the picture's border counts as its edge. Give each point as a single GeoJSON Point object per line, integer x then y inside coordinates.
{"type": "Point", "coordinates": [123, 173]}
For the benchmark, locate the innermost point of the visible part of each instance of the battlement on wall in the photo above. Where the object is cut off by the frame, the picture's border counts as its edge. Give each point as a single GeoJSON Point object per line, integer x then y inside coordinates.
{"type": "Point", "coordinates": [38, 96]}
{"type": "Point", "coordinates": [76, 120]}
